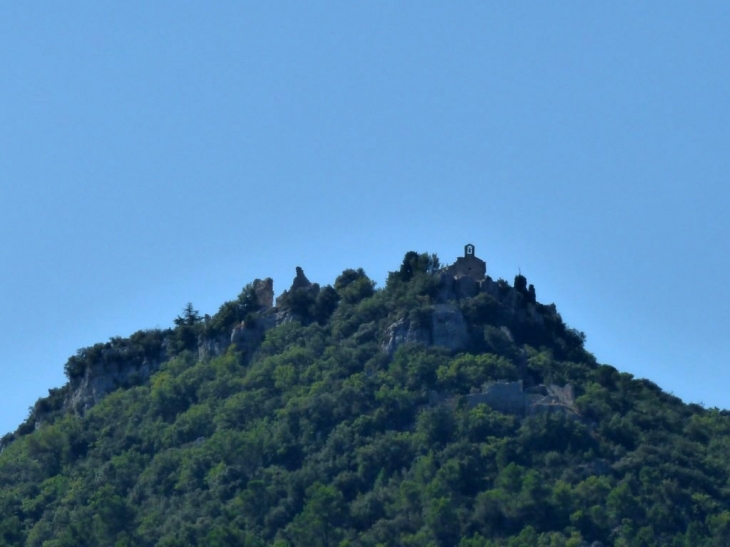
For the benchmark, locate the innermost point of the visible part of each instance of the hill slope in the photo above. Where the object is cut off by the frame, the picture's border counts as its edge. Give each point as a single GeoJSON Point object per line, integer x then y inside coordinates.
{"type": "Point", "coordinates": [440, 410]}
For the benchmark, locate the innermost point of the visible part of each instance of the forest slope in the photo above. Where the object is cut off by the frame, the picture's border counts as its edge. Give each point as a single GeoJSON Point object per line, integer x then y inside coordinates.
{"type": "Point", "coordinates": [347, 415]}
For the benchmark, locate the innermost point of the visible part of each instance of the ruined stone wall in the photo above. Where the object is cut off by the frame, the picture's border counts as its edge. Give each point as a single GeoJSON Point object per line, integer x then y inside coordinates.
{"type": "Point", "coordinates": [506, 397]}
{"type": "Point", "coordinates": [264, 290]}
{"type": "Point", "coordinates": [468, 266]}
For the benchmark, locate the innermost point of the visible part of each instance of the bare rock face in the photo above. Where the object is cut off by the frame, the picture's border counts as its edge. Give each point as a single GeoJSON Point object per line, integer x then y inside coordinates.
{"type": "Point", "coordinates": [103, 378]}
{"type": "Point", "coordinates": [209, 347]}
{"type": "Point", "coordinates": [448, 327]}
{"type": "Point", "coordinates": [264, 290]}
{"type": "Point", "coordinates": [300, 285]}
{"type": "Point", "coordinates": [300, 281]}
{"type": "Point", "coordinates": [465, 287]}
{"type": "Point", "coordinates": [246, 338]}
{"type": "Point", "coordinates": [401, 332]}
{"type": "Point", "coordinates": [456, 288]}
{"type": "Point", "coordinates": [446, 291]}
{"type": "Point", "coordinates": [212, 347]}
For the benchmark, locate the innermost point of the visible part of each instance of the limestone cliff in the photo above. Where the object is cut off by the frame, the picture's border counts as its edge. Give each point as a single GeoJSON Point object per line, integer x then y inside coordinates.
{"type": "Point", "coordinates": [113, 367]}
{"type": "Point", "coordinates": [444, 323]}
{"type": "Point", "coordinates": [449, 328]}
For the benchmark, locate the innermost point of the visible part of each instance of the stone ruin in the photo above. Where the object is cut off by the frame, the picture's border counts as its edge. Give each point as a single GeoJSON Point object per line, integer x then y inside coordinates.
{"type": "Point", "coordinates": [247, 336]}
{"type": "Point", "coordinates": [468, 265]}
{"type": "Point", "coordinates": [300, 283]}
{"type": "Point", "coordinates": [264, 291]}
{"type": "Point", "coordinates": [514, 398]}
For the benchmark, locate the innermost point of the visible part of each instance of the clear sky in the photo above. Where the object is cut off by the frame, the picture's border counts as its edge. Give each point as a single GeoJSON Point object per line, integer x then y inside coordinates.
{"type": "Point", "coordinates": [155, 153]}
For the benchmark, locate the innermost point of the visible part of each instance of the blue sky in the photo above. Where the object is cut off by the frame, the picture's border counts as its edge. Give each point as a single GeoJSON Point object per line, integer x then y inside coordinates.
{"type": "Point", "coordinates": [153, 154]}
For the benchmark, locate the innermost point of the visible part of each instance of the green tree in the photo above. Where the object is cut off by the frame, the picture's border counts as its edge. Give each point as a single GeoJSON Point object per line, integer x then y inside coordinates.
{"type": "Point", "coordinates": [190, 316]}
{"type": "Point", "coordinates": [320, 521]}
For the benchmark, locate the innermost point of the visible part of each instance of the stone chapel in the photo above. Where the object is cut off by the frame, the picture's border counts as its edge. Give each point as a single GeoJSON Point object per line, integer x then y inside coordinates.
{"type": "Point", "coordinates": [469, 265]}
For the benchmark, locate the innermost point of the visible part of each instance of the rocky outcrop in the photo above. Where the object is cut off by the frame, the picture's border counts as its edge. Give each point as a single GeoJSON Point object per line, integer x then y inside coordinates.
{"type": "Point", "coordinates": [402, 332]}
{"type": "Point", "coordinates": [300, 292]}
{"type": "Point", "coordinates": [246, 338]}
{"type": "Point", "coordinates": [209, 348]}
{"type": "Point", "coordinates": [248, 335]}
{"type": "Point", "coordinates": [514, 304]}
{"type": "Point", "coordinates": [102, 378]}
{"type": "Point", "coordinates": [118, 366]}
{"type": "Point", "coordinates": [517, 306]}
{"type": "Point", "coordinates": [264, 291]}
{"type": "Point", "coordinates": [300, 281]}
{"type": "Point", "coordinates": [447, 329]}
{"type": "Point", "coordinates": [456, 288]}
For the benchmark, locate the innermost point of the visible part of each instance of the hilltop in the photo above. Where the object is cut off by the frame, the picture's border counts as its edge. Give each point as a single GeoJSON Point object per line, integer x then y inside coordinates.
{"type": "Point", "coordinates": [446, 408]}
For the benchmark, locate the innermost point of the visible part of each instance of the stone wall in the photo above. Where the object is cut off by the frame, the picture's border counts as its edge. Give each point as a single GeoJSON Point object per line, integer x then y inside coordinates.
{"type": "Point", "coordinates": [468, 266]}
{"type": "Point", "coordinates": [507, 397]}
{"type": "Point", "coordinates": [512, 398]}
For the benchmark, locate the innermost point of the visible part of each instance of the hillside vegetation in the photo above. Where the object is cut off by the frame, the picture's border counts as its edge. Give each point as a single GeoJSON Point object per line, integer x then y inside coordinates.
{"type": "Point", "coordinates": [337, 419]}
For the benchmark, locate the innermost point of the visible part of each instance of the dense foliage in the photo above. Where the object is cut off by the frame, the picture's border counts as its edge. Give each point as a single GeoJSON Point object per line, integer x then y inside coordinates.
{"type": "Point", "coordinates": [320, 437]}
